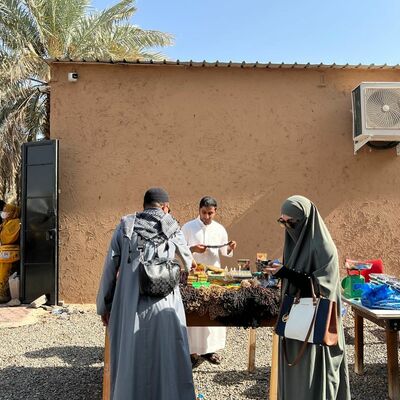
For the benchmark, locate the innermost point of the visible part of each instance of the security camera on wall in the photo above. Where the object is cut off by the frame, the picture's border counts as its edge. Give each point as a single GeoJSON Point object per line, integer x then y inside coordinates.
{"type": "Point", "coordinates": [72, 76]}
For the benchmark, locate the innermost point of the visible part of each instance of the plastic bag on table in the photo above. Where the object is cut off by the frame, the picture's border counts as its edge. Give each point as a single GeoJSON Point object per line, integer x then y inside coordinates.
{"type": "Point", "coordinates": [379, 296]}
{"type": "Point", "coordinates": [13, 283]}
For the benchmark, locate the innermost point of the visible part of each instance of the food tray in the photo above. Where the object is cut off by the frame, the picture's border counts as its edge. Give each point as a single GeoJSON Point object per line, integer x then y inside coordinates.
{"type": "Point", "coordinates": [241, 274]}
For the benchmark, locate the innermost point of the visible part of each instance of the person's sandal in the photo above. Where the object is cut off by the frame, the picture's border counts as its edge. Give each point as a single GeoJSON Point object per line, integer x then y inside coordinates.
{"type": "Point", "coordinates": [213, 358]}
{"type": "Point", "coordinates": [196, 360]}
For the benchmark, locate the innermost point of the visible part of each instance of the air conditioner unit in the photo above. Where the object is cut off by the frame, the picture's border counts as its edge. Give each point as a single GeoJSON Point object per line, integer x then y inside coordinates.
{"type": "Point", "coordinates": [376, 113]}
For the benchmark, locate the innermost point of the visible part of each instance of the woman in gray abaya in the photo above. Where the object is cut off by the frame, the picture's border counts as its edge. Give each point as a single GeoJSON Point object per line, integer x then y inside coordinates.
{"type": "Point", "coordinates": [309, 252]}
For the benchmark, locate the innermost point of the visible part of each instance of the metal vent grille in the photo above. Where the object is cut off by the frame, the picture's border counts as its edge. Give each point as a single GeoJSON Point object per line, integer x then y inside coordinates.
{"type": "Point", "coordinates": [357, 119]}
{"type": "Point", "coordinates": [382, 106]}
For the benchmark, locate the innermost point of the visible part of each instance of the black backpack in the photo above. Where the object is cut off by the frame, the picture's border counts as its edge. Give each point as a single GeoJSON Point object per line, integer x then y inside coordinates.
{"type": "Point", "coordinates": [158, 277]}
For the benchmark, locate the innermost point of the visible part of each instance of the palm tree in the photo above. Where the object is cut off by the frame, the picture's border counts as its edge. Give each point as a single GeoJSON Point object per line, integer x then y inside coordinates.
{"type": "Point", "coordinates": [32, 31]}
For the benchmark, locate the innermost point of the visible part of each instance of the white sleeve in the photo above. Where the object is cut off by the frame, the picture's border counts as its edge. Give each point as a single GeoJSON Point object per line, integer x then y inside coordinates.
{"type": "Point", "coordinates": [183, 250]}
{"type": "Point", "coordinates": [186, 232]}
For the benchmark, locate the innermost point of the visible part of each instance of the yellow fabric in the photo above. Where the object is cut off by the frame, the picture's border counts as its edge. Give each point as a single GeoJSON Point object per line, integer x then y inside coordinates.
{"type": "Point", "coordinates": [9, 232]}
{"type": "Point", "coordinates": [5, 270]}
{"type": "Point", "coordinates": [9, 253]}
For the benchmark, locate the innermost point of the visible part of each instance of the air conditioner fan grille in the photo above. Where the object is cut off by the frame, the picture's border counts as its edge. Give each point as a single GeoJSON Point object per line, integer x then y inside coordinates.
{"type": "Point", "coordinates": [382, 106]}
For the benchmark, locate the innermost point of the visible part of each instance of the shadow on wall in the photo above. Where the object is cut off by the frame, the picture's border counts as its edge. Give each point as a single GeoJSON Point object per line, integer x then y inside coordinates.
{"type": "Point", "coordinates": [266, 234]}
{"type": "Point", "coordinates": [363, 222]}
{"type": "Point", "coordinates": [357, 197]}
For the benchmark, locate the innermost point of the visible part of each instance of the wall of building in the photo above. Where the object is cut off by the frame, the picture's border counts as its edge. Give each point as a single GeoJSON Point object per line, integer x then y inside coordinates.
{"type": "Point", "coordinates": [249, 137]}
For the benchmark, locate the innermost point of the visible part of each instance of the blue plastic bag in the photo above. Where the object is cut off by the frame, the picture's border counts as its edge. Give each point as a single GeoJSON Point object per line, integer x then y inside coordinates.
{"type": "Point", "coordinates": [380, 297]}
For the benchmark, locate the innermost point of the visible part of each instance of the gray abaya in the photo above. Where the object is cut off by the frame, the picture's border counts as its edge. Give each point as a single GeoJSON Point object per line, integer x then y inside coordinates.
{"type": "Point", "coordinates": [149, 350]}
{"type": "Point", "coordinates": [322, 372]}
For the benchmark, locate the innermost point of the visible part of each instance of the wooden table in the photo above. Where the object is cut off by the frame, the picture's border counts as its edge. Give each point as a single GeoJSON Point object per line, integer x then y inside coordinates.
{"type": "Point", "coordinates": [193, 319]}
{"type": "Point", "coordinates": [388, 319]}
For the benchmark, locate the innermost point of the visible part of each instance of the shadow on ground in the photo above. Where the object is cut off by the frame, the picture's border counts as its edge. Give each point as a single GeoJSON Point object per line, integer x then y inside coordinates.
{"type": "Point", "coordinates": [349, 335]}
{"type": "Point", "coordinates": [80, 379]}
{"type": "Point", "coordinates": [72, 355]}
{"type": "Point", "coordinates": [258, 390]}
{"type": "Point", "coordinates": [61, 383]}
{"type": "Point", "coordinates": [373, 381]}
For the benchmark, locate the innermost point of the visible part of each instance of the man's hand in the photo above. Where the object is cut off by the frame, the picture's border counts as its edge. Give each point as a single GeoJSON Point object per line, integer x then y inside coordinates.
{"type": "Point", "coordinates": [105, 318]}
{"type": "Point", "coordinates": [231, 246]}
{"type": "Point", "coordinates": [194, 264]}
{"type": "Point", "coordinates": [198, 248]}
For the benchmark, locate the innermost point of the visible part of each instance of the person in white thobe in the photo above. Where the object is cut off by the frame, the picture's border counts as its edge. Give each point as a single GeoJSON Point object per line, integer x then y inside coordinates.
{"type": "Point", "coordinates": [200, 232]}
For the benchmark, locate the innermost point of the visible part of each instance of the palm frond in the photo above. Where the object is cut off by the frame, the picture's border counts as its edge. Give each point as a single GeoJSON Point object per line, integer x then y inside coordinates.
{"type": "Point", "coordinates": [56, 20]}
{"type": "Point", "coordinates": [33, 30]}
{"type": "Point", "coordinates": [121, 42]}
{"type": "Point", "coordinates": [90, 25]}
{"type": "Point", "coordinates": [18, 29]}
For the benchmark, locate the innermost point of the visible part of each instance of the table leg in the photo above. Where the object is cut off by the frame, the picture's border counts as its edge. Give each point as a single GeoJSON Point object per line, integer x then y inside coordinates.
{"type": "Point", "coordinates": [273, 380]}
{"type": "Point", "coordinates": [251, 365]}
{"type": "Point", "coordinates": [106, 371]}
{"type": "Point", "coordinates": [358, 343]}
{"type": "Point", "coordinates": [392, 363]}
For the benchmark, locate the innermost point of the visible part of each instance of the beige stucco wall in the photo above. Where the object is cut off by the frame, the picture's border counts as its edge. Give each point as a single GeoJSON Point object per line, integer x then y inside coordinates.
{"type": "Point", "coordinates": [249, 137]}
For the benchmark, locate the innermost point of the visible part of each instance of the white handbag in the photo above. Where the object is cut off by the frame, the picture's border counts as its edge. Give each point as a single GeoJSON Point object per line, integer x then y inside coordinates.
{"type": "Point", "coordinates": [300, 319]}
{"type": "Point", "coordinates": [307, 319]}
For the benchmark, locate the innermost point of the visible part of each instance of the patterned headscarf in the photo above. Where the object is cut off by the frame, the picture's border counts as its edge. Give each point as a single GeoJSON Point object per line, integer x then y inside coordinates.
{"type": "Point", "coordinates": [151, 222]}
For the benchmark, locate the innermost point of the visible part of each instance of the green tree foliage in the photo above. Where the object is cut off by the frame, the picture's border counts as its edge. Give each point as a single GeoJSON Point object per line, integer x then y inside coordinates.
{"type": "Point", "coordinates": [33, 31]}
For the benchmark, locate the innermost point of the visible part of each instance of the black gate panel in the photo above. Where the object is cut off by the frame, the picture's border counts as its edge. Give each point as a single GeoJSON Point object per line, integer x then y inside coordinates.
{"type": "Point", "coordinates": [39, 231]}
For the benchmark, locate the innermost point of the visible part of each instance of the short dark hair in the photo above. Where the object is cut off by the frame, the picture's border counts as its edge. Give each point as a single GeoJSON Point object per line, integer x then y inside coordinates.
{"type": "Point", "coordinates": [153, 204]}
{"type": "Point", "coordinates": [155, 197]}
{"type": "Point", "coordinates": [208, 201]}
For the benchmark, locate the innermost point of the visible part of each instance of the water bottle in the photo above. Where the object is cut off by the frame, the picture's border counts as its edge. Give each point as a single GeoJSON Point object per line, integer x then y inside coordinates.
{"type": "Point", "coordinates": [343, 311]}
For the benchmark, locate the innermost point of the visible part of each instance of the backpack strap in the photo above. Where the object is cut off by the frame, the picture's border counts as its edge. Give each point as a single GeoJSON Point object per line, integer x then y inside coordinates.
{"type": "Point", "coordinates": [142, 244]}
{"type": "Point", "coordinates": [169, 227]}
{"type": "Point", "coordinates": [127, 224]}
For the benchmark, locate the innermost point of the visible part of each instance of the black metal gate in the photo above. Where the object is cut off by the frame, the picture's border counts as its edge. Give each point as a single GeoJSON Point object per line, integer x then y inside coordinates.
{"type": "Point", "coordinates": [39, 230]}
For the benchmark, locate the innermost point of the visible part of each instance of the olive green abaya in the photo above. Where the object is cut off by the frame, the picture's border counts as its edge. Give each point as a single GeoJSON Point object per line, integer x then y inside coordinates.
{"type": "Point", "coordinates": [322, 372]}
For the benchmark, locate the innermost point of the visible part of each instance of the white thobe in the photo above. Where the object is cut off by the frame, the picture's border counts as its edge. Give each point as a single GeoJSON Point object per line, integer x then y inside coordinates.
{"type": "Point", "coordinates": [203, 340]}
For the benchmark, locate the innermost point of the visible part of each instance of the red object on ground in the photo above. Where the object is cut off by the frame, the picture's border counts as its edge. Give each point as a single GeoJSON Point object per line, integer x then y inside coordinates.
{"type": "Point", "coordinates": [377, 268]}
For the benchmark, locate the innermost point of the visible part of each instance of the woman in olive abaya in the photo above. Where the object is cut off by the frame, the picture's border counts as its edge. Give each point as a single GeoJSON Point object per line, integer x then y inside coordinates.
{"type": "Point", "coordinates": [309, 252]}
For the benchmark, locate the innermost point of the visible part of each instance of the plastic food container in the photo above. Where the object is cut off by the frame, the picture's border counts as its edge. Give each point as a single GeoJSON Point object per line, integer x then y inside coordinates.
{"type": "Point", "coordinates": [198, 285]}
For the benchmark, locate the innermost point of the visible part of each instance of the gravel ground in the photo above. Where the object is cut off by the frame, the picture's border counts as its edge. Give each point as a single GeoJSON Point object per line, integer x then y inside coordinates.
{"type": "Point", "coordinates": [60, 358]}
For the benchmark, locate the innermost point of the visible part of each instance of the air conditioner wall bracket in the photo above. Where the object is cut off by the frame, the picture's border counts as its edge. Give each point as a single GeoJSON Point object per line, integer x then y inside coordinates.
{"type": "Point", "coordinates": [360, 143]}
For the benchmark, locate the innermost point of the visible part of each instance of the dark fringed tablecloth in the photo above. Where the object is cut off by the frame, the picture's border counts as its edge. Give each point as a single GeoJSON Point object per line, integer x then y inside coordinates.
{"type": "Point", "coordinates": [249, 307]}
